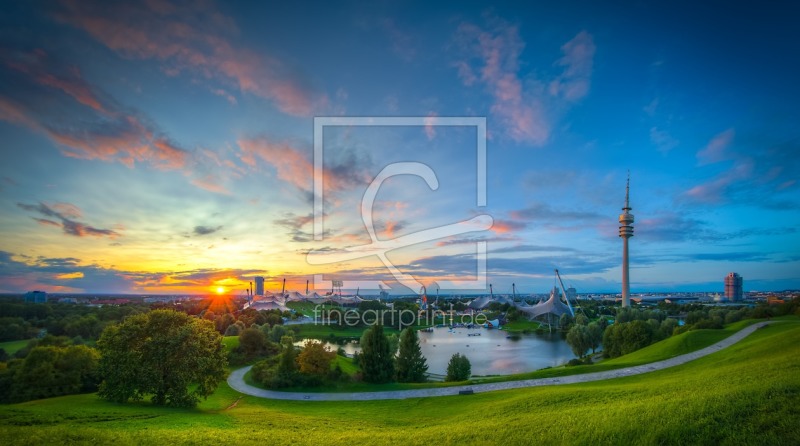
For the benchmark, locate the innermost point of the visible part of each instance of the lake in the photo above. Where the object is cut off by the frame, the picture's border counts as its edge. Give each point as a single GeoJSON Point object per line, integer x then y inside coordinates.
{"type": "Point", "coordinates": [491, 353]}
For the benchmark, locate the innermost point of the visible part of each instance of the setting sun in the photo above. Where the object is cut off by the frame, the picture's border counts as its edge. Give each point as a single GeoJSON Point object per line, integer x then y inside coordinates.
{"type": "Point", "coordinates": [220, 290]}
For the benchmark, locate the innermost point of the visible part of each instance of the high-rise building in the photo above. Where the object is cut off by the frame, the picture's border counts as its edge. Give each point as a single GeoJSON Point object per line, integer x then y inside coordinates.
{"type": "Point", "coordinates": [38, 297]}
{"type": "Point", "coordinates": [626, 232]}
{"type": "Point", "coordinates": [733, 287]}
{"type": "Point", "coordinates": [259, 285]}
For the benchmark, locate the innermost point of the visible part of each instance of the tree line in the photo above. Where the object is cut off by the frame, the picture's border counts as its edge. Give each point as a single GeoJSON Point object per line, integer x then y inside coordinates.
{"type": "Point", "coordinates": [634, 328]}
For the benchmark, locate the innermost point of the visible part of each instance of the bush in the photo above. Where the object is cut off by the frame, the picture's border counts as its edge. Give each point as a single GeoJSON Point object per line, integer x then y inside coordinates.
{"type": "Point", "coordinates": [575, 361]}
{"type": "Point", "coordinates": [50, 371]}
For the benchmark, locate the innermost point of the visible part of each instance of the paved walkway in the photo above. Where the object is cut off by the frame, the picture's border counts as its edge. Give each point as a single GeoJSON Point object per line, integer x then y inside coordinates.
{"type": "Point", "coordinates": [236, 379]}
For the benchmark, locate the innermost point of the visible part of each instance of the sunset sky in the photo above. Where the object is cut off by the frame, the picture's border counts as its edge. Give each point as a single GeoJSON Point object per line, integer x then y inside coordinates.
{"type": "Point", "coordinates": [168, 147]}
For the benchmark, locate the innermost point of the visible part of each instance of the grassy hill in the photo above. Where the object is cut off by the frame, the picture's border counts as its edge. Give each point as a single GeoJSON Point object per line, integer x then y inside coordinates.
{"type": "Point", "coordinates": [746, 394]}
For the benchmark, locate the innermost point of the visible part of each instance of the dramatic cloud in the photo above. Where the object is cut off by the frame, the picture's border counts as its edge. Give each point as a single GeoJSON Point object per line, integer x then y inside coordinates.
{"type": "Point", "coordinates": [72, 275]}
{"type": "Point", "coordinates": [66, 220]}
{"type": "Point", "coordinates": [58, 275]}
{"type": "Point", "coordinates": [498, 51]}
{"type": "Point", "coordinates": [294, 167]}
{"type": "Point", "coordinates": [53, 99]}
{"type": "Point", "coordinates": [191, 37]}
{"type": "Point", "coordinates": [492, 57]}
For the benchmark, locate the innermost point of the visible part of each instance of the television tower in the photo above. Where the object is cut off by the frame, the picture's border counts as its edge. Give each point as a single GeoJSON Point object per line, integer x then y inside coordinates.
{"type": "Point", "coordinates": [626, 232]}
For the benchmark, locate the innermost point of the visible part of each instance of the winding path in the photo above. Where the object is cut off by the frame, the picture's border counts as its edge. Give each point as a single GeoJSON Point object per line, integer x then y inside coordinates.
{"type": "Point", "coordinates": [236, 379]}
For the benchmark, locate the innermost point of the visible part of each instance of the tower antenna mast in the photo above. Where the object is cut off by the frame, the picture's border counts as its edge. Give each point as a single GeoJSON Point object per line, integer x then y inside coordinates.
{"type": "Point", "coordinates": [626, 232]}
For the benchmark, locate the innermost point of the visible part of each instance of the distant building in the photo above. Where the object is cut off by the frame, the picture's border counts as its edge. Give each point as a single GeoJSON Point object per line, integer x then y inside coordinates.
{"type": "Point", "coordinates": [259, 286]}
{"type": "Point", "coordinates": [733, 287]}
{"type": "Point", "coordinates": [572, 293]}
{"type": "Point", "coordinates": [37, 297]}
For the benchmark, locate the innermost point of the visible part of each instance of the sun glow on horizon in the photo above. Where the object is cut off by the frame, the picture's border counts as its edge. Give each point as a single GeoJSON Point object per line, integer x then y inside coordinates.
{"type": "Point", "coordinates": [220, 290]}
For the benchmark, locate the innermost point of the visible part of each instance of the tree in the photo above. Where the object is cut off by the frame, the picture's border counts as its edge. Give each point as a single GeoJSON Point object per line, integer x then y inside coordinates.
{"type": "Point", "coordinates": [579, 339]}
{"type": "Point", "coordinates": [315, 359]}
{"type": "Point", "coordinates": [377, 360]}
{"type": "Point", "coordinates": [253, 342]}
{"type": "Point", "coordinates": [276, 333]}
{"type": "Point", "coordinates": [459, 368]}
{"type": "Point", "coordinates": [411, 365]}
{"type": "Point", "coordinates": [161, 353]}
{"type": "Point", "coordinates": [51, 371]}
{"type": "Point", "coordinates": [595, 335]}
{"type": "Point", "coordinates": [565, 321]}
{"type": "Point", "coordinates": [287, 366]}
{"type": "Point", "coordinates": [235, 329]}
{"type": "Point", "coordinates": [623, 338]}
{"type": "Point", "coordinates": [224, 321]}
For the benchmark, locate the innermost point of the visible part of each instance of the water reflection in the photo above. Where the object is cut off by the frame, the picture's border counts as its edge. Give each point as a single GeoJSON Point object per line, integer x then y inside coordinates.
{"type": "Point", "coordinates": [490, 353]}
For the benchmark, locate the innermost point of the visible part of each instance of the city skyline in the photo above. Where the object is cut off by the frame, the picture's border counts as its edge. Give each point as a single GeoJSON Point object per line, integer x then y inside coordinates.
{"type": "Point", "coordinates": [168, 147]}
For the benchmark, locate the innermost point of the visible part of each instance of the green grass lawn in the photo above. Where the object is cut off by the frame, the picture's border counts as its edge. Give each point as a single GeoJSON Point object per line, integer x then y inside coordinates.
{"type": "Point", "coordinates": [745, 394]}
{"type": "Point", "coordinates": [521, 325]}
{"type": "Point", "coordinates": [12, 347]}
{"type": "Point", "coordinates": [324, 331]}
{"type": "Point", "coordinates": [230, 342]}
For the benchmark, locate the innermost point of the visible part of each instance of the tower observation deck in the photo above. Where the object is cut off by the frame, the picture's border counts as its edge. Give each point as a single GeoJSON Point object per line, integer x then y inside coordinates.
{"type": "Point", "coordinates": [626, 232]}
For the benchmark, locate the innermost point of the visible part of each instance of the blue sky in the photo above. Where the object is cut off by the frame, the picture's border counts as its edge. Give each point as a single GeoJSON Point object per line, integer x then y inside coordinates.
{"type": "Point", "coordinates": [168, 147]}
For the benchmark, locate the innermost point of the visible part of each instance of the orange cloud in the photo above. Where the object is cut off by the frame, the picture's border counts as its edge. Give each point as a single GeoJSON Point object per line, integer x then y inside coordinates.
{"type": "Point", "coordinates": [191, 38]}
{"type": "Point", "coordinates": [103, 132]}
{"type": "Point", "coordinates": [506, 226]}
{"type": "Point", "coordinates": [390, 229]}
{"type": "Point", "coordinates": [211, 184]}
{"type": "Point", "coordinates": [293, 166]}
{"type": "Point", "coordinates": [521, 111]}
{"type": "Point", "coordinates": [68, 276]}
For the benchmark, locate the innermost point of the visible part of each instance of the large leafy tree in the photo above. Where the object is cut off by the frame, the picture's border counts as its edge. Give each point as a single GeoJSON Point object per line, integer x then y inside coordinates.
{"type": "Point", "coordinates": [411, 365]}
{"type": "Point", "coordinates": [579, 339]}
{"type": "Point", "coordinates": [377, 358]}
{"type": "Point", "coordinates": [175, 358]}
{"type": "Point", "coordinates": [315, 359]}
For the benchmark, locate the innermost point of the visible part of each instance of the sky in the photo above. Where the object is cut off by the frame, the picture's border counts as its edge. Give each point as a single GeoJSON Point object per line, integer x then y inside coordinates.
{"type": "Point", "coordinates": [170, 147]}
